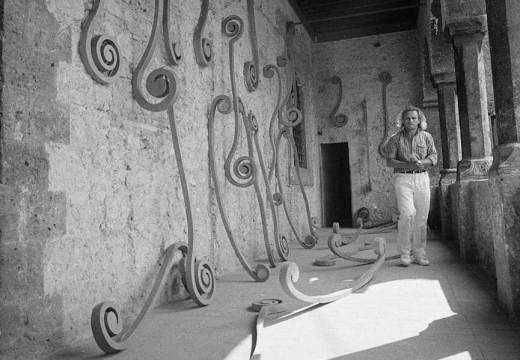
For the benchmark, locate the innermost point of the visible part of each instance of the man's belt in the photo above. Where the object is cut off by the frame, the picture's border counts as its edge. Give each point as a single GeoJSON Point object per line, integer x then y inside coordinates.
{"type": "Point", "coordinates": [410, 171]}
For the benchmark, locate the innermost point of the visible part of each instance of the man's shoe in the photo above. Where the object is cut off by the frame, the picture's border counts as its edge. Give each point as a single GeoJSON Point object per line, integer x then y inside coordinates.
{"type": "Point", "coordinates": [422, 260]}
{"type": "Point", "coordinates": [406, 260]}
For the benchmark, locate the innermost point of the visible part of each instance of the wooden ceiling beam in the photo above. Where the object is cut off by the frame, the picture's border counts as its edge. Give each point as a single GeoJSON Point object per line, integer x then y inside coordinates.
{"type": "Point", "coordinates": [342, 8]}
{"type": "Point", "coordinates": [365, 31]}
{"type": "Point", "coordinates": [296, 7]}
{"type": "Point", "coordinates": [360, 14]}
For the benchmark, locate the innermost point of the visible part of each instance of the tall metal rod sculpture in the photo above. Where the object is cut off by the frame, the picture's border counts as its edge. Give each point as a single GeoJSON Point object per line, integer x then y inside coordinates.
{"type": "Point", "coordinates": [251, 76]}
{"type": "Point", "coordinates": [289, 275]}
{"type": "Point", "coordinates": [222, 103]}
{"type": "Point", "coordinates": [99, 53]}
{"type": "Point", "coordinates": [173, 50]}
{"type": "Point", "coordinates": [161, 84]}
{"type": "Point", "coordinates": [386, 78]}
{"type": "Point", "coordinates": [281, 244]}
{"type": "Point", "coordinates": [283, 130]}
{"type": "Point", "coordinates": [201, 45]}
{"type": "Point", "coordinates": [338, 120]}
{"type": "Point", "coordinates": [365, 128]}
{"type": "Point", "coordinates": [241, 172]}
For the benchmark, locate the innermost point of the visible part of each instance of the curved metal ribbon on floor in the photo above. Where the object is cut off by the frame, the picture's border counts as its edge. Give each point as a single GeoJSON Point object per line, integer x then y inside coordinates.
{"type": "Point", "coordinates": [222, 103]}
{"type": "Point", "coordinates": [106, 321]}
{"type": "Point", "coordinates": [336, 242]}
{"type": "Point", "coordinates": [289, 275]}
{"type": "Point", "coordinates": [199, 277]}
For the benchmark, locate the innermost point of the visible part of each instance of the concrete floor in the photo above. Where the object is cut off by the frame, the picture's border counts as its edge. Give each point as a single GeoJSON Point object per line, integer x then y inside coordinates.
{"type": "Point", "coordinates": [444, 311]}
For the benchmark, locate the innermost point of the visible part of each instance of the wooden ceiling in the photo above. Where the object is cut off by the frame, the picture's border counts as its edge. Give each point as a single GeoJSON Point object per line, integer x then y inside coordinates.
{"type": "Point", "coordinates": [331, 20]}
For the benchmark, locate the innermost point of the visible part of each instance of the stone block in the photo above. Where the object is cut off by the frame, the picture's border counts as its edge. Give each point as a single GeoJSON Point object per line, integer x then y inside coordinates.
{"type": "Point", "coordinates": [24, 167]}
{"type": "Point", "coordinates": [44, 215]}
{"type": "Point", "coordinates": [32, 119]}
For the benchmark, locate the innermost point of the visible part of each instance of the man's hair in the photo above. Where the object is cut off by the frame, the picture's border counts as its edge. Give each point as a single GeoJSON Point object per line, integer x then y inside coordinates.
{"type": "Point", "coordinates": [422, 119]}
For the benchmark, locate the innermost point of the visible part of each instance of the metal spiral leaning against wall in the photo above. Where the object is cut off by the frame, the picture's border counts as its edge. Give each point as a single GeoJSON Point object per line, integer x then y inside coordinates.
{"type": "Point", "coordinates": [161, 85]}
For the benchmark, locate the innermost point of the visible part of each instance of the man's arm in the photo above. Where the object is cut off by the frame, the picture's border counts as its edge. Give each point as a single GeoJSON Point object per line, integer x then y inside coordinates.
{"type": "Point", "coordinates": [391, 161]}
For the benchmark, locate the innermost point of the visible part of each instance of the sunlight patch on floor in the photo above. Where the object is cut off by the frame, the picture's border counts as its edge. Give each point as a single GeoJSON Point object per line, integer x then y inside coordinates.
{"type": "Point", "coordinates": [383, 314]}
{"type": "Point", "coordinates": [460, 356]}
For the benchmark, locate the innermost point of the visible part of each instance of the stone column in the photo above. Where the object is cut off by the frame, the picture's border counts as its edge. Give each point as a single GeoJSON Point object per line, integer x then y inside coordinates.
{"type": "Point", "coordinates": [467, 33]}
{"type": "Point", "coordinates": [504, 22]}
{"type": "Point", "coordinates": [451, 146]}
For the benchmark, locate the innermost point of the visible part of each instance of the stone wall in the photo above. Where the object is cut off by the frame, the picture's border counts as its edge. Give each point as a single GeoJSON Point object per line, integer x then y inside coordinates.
{"type": "Point", "coordinates": [90, 189]}
{"type": "Point", "coordinates": [358, 62]}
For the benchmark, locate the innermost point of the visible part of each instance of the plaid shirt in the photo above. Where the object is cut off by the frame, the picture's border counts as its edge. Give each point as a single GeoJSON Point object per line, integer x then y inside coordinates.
{"type": "Point", "coordinates": [401, 147]}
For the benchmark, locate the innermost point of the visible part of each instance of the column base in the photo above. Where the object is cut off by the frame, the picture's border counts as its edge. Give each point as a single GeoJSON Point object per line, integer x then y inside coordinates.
{"type": "Point", "coordinates": [504, 177]}
{"type": "Point", "coordinates": [474, 169]}
{"type": "Point", "coordinates": [448, 178]}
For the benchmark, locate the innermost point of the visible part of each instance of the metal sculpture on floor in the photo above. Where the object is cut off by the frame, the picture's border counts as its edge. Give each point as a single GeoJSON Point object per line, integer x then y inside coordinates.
{"type": "Point", "coordinates": [338, 120]}
{"type": "Point", "coordinates": [289, 275]}
{"type": "Point", "coordinates": [161, 85]}
{"type": "Point", "coordinates": [99, 53]}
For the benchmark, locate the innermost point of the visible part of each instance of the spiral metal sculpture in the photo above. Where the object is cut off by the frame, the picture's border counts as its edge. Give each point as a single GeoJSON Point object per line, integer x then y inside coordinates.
{"type": "Point", "coordinates": [106, 322]}
{"type": "Point", "coordinates": [289, 275]}
{"type": "Point", "coordinates": [338, 120]}
{"type": "Point", "coordinates": [222, 103]}
{"type": "Point", "coordinates": [199, 278]}
{"type": "Point", "coordinates": [202, 46]}
{"type": "Point", "coordinates": [99, 53]}
{"type": "Point", "coordinates": [251, 76]}
{"type": "Point", "coordinates": [173, 49]}
{"type": "Point", "coordinates": [386, 78]}
{"type": "Point", "coordinates": [275, 135]}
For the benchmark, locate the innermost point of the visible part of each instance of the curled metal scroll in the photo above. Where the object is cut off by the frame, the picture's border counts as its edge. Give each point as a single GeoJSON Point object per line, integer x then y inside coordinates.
{"type": "Point", "coordinates": [269, 71]}
{"type": "Point", "coordinates": [284, 131]}
{"type": "Point", "coordinates": [161, 83]}
{"type": "Point", "coordinates": [251, 76]}
{"type": "Point", "coordinates": [310, 241]}
{"type": "Point", "coordinates": [202, 46]}
{"type": "Point", "coordinates": [222, 103]}
{"type": "Point", "coordinates": [338, 120]}
{"type": "Point", "coordinates": [106, 322]}
{"type": "Point", "coordinates": [99, 53]}
{"type": "Point", "coordinates": [281, 245]}
{"type": "Point", "coordinates": [289, 275]}
{"type": "Point", "coordinates": [198, 274]}
{"type": "Point", "coordinates": [173, 50]}
{"type": "Point", "coordinates": [386, 78]}
{"type": "Point", "coordinates": [365, 128]}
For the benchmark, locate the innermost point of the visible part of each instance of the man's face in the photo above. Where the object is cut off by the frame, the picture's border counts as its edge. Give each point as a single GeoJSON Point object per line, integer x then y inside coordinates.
{"type": "Point", "coordinates": [411, 120]}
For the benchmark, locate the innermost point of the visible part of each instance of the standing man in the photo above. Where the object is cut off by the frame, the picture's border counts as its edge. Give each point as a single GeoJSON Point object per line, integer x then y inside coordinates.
{"type": "Point", "coordinates": [410, 152]}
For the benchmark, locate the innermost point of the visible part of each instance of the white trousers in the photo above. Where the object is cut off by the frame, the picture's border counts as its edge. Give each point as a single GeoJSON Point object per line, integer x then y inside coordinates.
{"type": "Point", "coordinates": [413, 201]}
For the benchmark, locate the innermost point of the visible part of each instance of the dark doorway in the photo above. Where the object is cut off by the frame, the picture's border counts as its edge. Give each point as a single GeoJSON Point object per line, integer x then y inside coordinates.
{"type": "Point", "coordinates": [335, 180]}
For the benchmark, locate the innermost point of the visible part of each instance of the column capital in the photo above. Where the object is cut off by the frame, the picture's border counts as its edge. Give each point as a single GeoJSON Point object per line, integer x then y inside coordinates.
{"type": "Point", "coordinates": [474, 169]}
{"type": "Point", "coordinates": [506, 159]}
{"type": "Point", "coordinates": [467, 25]}
{"type": "Point", "coordinates": [444, 78]}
